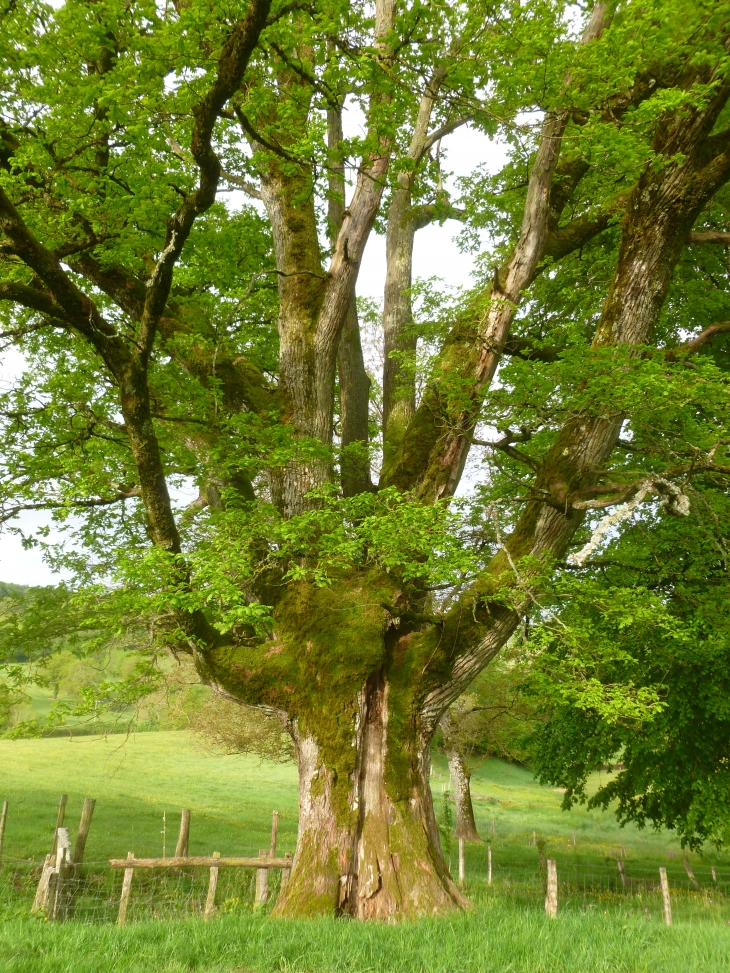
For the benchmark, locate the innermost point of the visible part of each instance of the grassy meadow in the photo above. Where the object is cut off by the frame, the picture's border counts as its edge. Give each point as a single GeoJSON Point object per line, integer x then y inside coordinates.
{"type": "Point", "coordinates": [135, 779]}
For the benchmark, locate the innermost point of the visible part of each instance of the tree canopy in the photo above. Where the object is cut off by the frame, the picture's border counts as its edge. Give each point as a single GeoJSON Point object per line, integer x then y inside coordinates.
{"type": "Point", "coordinates": [186, 192]}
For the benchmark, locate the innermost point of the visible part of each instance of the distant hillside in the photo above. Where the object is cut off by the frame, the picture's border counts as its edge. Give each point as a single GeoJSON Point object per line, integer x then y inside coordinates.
{"type": "Point", "coordinates": [7, 589]}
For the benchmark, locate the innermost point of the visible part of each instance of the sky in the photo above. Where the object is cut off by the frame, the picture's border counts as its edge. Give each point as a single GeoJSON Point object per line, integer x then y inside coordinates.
{"type": "Point", "coordinates": [436, 254]}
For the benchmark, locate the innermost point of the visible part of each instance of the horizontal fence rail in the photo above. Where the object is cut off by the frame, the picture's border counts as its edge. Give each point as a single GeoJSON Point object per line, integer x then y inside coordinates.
{"type": "Point", "coordinates": [201, 861]}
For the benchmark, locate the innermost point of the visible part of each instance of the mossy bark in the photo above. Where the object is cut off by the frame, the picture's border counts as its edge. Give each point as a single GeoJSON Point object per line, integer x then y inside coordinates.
{"type": "Point", "coordinates": [344, 669]}
{"type": "Point", "coordinates": [375, 854]}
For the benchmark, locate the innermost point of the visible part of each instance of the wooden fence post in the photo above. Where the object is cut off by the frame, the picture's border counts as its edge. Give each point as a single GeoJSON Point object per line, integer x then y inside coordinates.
{"type": "Point", "coordinates": [666, 901]}
{"type": "Point", "coordinates": [60, 889]}
{"type": "Point", "coordinates": [84, 826]}
{"type": "Point", "coordinates": [688, 870]}
{"type": "Point", "coordinates": [61, 873]}
{"type": "Point", "coordinates": [3, 819]}
{"type": "Point", "coordinates": [42, 892]}
{"type": "Point", "coordinates": [274, 833]}
{"type": "Point", "coordinates": [285, 872]}
{"type": "Point", "coordinates": [714, 874]}
{"type": "Point", "coordinates": [183, 837]}
{"type": "Point", "coordinates": [622, 872]}
{"type": "Point", "coordinates": [489, 865]}
{"type": "Point", "coordinates": [461, 862]}
{"type": "Point", "coordinates": [541, 852]}
{"type": "Point", "coordinates": [126, 889]}
{"type": "Point", "coordinates": [262, 884]}
{"type": "Point", "coordinates": [551, 899]}
{"type": "Point", "coordinates": [212, 885]}
{"type": "Point", "coordinates": [59, 822]}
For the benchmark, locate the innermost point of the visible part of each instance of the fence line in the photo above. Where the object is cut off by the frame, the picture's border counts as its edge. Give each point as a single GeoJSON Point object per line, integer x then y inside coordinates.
{"type": "Point", "coordinates": [105, 891]}
{"type": "Point", "coordinates": [177, 891]}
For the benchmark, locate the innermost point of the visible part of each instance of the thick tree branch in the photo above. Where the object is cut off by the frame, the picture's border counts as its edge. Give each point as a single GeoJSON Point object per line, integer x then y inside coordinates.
{"type": "Point", "coordinates": [446, 129]}
{"type": "Point", "coordinates": [229, 177]}
{"type": "Point", "coordinates": [665, 205]}
{"type": "Point", "coordinates": [422, 216]}
{"type": "Point", "coordinates": [7, 513]}
{"type": "Point", "coordinates": [702, 339]}
{"type": "Point", "coordinates": [435, 446]}
{"type": "Point", "coordinates": [75, 307]}
{"type": "Point", "coordinates": [506, 445]}
{"type": "Point", "coordinates": [232, 64]}
{"type": "Point", "coordinates": [30, 297]}
{"type": "Point", "coordinates": [710, 236]}
{"type": "Point", "coordinates": [570, 237]}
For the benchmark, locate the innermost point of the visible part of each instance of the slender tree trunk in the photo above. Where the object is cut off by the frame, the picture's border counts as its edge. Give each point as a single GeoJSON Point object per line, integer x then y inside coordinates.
{"type": "Point", "coordinates": [354, 406]}
{"type": "Point", "coordinates": [354, 380]}
{"type": "Point", "coordinates": [399, 337]}
{"type": "Point", "coordinates": [461, 781]}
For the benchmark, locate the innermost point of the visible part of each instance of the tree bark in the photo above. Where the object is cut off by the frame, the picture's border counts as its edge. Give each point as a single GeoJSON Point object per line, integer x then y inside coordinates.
{"type": "Point", "coordinates": [466, 827]}
{"type": "Point", "coordinates": [368, 845]}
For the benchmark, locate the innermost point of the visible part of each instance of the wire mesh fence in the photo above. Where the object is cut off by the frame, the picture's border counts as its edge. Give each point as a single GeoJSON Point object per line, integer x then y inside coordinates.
{"type": "Point", "coordinates": [636, 879]}
{"type": "Point", "coordinates": [93, 890]}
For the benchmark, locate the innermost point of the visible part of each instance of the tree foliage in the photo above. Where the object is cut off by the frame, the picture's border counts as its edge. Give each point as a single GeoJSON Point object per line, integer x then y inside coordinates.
{"type": "Point", "coordinates": [177, 335]}
{"type": "Point", "coordinates": [639, 676]}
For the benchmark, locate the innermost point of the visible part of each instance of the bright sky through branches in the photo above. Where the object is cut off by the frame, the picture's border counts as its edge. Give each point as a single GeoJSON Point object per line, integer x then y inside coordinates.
{"type": "Point", "coordinates": [436, 255]}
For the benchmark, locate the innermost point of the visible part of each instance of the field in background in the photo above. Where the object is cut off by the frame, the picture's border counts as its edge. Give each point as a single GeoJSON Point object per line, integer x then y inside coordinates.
{"type": "Point", "coordinates": [135, 779]}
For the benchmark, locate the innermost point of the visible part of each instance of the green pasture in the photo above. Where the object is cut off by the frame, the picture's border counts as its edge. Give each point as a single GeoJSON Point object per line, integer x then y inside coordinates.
{"type": "Point", "coordinates": [135, 779]}
{"type": "Point", "coordinates": [496, 939]}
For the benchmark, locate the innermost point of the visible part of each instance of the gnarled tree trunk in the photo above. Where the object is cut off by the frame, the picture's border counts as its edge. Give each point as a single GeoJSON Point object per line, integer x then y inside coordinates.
{"type": "Point", "coordinates": [368, 844]}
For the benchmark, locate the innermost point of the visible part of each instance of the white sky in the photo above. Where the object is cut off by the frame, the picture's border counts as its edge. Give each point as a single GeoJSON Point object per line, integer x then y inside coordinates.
{"type": "Point", "coordinates": [436, 255]}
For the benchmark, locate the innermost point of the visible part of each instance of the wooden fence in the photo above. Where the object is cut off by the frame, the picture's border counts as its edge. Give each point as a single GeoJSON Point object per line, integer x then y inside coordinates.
{"type": "Point", "coordinates": [60, 878]}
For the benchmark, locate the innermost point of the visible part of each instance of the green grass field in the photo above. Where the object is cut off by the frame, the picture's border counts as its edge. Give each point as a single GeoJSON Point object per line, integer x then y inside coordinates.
{"type": "Point", "coordinates": [136, 779]}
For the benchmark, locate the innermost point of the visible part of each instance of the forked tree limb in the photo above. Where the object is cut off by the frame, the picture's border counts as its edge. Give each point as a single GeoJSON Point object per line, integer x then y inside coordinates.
{"type": "Point", "coordinates": [432, 464]}
{"type": "Point", "coordinates": [360, 215]}
{"type": "Point", "coordinates": [127, 360]}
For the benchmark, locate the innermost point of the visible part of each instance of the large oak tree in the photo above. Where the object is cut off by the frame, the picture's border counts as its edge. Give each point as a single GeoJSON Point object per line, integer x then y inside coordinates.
{"type": "Point", "coordinates": [326, 573]}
